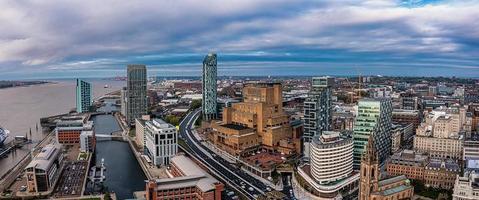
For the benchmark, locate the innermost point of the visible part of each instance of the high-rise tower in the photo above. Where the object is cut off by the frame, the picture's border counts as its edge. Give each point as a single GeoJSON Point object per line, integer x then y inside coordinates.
{"type": "Point", "coordinates": [317, 110]}
{"type": "Point", "coordinates": [136, 93]}
{"type": "Point", "coordinates": [374, 118]}
{"type": "Point", "coordinates": [84, 96]}
{"type": "Point", "coordinates": [209, 104]}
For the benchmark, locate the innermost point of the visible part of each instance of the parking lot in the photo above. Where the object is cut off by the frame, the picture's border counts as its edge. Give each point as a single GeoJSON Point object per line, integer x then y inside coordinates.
{"type": "Point", "coordinates": [71, 180]}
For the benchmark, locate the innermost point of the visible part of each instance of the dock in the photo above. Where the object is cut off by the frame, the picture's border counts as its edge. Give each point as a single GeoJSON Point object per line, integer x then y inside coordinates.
{"type": "Point", "coordinates": [9, 147]}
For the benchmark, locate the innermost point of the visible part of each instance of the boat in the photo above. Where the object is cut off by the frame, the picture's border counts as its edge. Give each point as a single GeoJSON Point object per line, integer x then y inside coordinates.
{"type": "Point", "coordinates": [106, 86]}
{"type": "Point", "coordinates": [3, 135]}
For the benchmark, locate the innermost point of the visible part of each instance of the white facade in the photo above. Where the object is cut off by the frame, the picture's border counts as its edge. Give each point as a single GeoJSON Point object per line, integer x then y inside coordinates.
{"type": "Point", "coordinates": [466, 187]}
{"type": "Point", "coordinates": [161, 141]}
{"type": "Point", "coordinates": [87, 141]}
{"type": "Point", "coordinates": [331, 157]}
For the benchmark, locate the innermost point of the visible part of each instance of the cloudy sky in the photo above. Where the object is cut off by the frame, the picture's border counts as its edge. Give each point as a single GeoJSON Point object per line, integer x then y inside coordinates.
{"type": "Point", "coordinates": [91, 38]}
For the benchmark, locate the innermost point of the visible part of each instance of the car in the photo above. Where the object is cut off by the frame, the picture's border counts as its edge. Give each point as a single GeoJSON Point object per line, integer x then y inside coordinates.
{"type": "Point", "coordinates": [251, 189]}
{"type": "Point", "coordinates": [23, 188]}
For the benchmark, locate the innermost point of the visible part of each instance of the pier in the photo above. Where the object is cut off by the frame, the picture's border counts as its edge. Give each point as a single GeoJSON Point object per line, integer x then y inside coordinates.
{"type": "Point", "coordinates": [11, 146]}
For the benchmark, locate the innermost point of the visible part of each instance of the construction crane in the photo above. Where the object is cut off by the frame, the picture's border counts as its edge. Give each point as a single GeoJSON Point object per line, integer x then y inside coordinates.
{"type": "Point", "coordinates": [352, 87]}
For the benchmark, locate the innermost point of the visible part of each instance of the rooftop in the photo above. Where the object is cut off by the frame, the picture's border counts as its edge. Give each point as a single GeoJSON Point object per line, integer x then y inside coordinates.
{"type": "Point", "coordinates": [392, 180]}
{"type": "Point", "coordinates": [193, 176]}
{"type": "Point", "coordinates": [45, 158]}
{"type": "Point", "coordinates": [234, 126]}
{"type": "Point", "coordinates": [264, 160]}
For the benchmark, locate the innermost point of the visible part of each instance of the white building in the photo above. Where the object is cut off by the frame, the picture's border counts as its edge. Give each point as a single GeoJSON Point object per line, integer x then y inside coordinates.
{"type": "Point", "coordinates": [466, 187]}
{"type": "Point", "coordinates": [161, 141]}
{"type": "Point", "coordinates": [43, 171]}
{"type": "Point", "coordinates": [331, 165]}
{"type": "Point", "coordinates": [87, 141]}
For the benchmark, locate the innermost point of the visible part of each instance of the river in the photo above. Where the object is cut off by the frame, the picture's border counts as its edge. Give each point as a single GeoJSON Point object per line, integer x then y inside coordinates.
{"type": "Point", "coordinates": [123, 173]}
{"type": "Point", "coordinates": [22, 107]}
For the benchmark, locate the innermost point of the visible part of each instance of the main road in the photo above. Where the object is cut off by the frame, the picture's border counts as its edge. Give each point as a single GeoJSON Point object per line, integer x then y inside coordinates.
{"type": "Point", "coordinates": [233, 176]}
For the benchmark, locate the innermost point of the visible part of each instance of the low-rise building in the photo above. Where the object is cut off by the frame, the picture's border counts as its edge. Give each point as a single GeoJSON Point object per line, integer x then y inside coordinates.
{"type": "Point", "coordinates": [140, 131]}
{"type": "Point", "coordinates": [234, 139]}
{"type": "Point", "coordinates": [187, 181]}
{"type": "Point", "coordinates": [161, 141]}
{"type": "Point", "coordinates": [43, 171]}
{"type": "Point", "coordinates": [87, 141]}
{"type": "Point", "coordinates": [439, 147]}
{"type": "Point", "coordinates": [68, 131]}
{"type": "Point", "coordinates": [407, 163]}
{"type": "Point", "coordinates": [471, 149]}
{"type": "Point", "coordinates": [441, 173]}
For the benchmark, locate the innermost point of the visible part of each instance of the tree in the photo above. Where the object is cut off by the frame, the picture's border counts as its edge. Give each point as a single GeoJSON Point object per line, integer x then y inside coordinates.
{"type": "Point", "coordinates": [172, 119]}
{"type": "Point", "coordinates": [195, 104]}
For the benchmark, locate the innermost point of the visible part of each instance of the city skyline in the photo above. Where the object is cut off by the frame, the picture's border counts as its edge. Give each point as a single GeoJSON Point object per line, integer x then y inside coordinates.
{"type": "Point", "coordinates": [375, 37]}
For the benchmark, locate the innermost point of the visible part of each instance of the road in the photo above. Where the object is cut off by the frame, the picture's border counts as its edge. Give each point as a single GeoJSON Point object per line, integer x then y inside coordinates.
{"type": "Point", "coordinates": [287, 187]}
{"type": "Point", "coordinates": [233, 176]}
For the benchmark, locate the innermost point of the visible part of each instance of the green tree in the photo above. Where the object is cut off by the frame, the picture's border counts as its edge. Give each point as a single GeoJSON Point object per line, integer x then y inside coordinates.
{"type": "Point", "coordinates": [172, 119]}
{"type": "Point", "coordinates": [195, 104]}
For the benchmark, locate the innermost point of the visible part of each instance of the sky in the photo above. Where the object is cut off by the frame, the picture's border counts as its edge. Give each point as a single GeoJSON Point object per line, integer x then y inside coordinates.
{"type": "Point", "coordinates": [88, 38]}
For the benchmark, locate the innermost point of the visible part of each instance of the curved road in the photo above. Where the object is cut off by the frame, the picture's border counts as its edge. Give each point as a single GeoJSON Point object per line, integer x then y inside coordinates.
{"type": "Point", "coordinates": [230, 174]}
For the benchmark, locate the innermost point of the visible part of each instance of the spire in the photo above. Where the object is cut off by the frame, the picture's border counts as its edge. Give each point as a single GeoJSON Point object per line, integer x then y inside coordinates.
{"type": "Point", "coordinates": [370, 155]}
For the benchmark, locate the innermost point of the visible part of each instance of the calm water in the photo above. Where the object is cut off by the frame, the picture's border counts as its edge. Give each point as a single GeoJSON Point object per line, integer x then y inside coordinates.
{"type": "Point", "coordinates": [123, 174]}
{"type": "Point", "coordinates": [22, 107]}
{"type": "Point", "coordinates": [105, 124]}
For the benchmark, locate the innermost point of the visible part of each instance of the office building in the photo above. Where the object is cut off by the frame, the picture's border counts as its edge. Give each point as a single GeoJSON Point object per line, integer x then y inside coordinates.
{"type": "Point", "coordinates": [136, 100]}
{"type": "Point", "coordinates": [408, 163]}
{"type": "Point", "coordinates": [373, 119]}
{"type": "Point", "coordinates": [123, 100]}
{"type": "Point", "coordinates": [439, 147]}
{"type": "Point", "coordinates": [187, 181]}
{"type": "Point", "coordinates": [43, 171]}
{"type": "Point", "coordinates": [260, 115]}
{"type": "Point", "coordinates": [161, 141]}
{"type": "Point", "coordinates": [330, 171]}
{"type": "Point", "coordinates": [87, 141]}
{"type": "Point", "coordinates": [441, 173]}
{"type": "Point", "coordinates": [317, 110]}
{"type": "Point", "coordinates": [331, 145]}
{"type": "Point", "coordinates": [407, 116]}
{"type": "Point", "coordinates": [409, 101]}
{"type": "Point", "coordinates": [441, 134]}
{"type": "Point", "coordinates": [68, 131]}
{"type": "Point", "coordinates": [466, 187]}
{"type": "Point", "coordinates": [209, 87]}
{"type": "Point", "coordinates": [140, 131]}
{"type": "Point", "coordinates": [471, 151]}
{"type": "Point", "coordinates": [84, 96]}
{"type": "Point", "coordinates": [373, 187]}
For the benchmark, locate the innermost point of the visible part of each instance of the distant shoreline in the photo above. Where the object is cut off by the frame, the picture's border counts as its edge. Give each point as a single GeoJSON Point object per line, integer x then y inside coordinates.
{"type": "Point", "coordinates": [13, 84]}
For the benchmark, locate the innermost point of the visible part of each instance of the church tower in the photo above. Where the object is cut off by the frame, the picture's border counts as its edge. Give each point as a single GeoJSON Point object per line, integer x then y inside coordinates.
{"type": "Point", "coordinates": [369, 171]}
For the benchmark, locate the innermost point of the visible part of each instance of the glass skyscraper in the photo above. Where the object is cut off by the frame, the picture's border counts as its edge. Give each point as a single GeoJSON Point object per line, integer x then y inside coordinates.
{"type": "Point", "coordinates": [136, 99]}
{"type": "Point", "coordinates": [374, 118]}
{"type": "Point", "coordinates": [317, 110]}
{"type": "Point", "coordinates": [84, 96]}
{"type": "Point", "coordinates": [209, 104]}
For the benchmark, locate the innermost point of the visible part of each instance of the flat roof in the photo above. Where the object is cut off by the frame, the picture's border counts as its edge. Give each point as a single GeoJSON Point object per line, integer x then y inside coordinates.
{"type": "Point", "coordinates": [234, 126]}
{"type": "Point", "coordinates": [193, 176]}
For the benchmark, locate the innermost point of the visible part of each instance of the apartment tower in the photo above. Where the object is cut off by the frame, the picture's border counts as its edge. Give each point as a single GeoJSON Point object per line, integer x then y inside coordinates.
{"type": "Point", "coordinates": [209, 105]}
{"type": "Point", "coordinates": [136, 93]}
